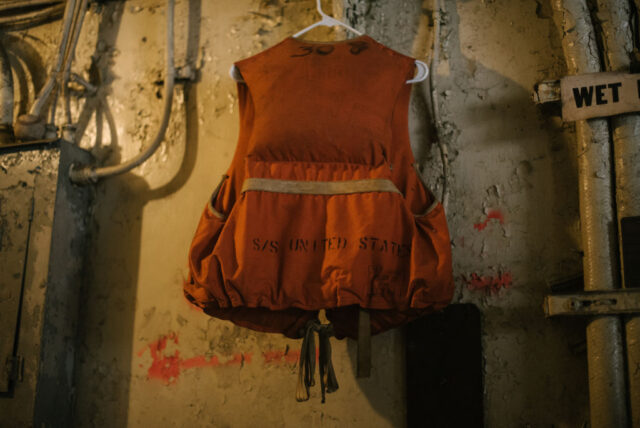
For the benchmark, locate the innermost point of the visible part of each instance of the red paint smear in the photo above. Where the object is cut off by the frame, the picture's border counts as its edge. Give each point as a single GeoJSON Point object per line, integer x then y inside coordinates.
{"type": "Point", "coordinates": [490, 284]}
{"type": "Point", "coordinates": [493, 214]}
{"type": "Point", "coordinates": [167, 368]}
{"type": "Point", "coordinates": [200, 361]}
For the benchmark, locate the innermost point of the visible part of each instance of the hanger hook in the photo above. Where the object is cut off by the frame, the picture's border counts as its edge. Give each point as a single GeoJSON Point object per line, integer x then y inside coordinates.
{"type": "Point", "coordinates": [319, 7]}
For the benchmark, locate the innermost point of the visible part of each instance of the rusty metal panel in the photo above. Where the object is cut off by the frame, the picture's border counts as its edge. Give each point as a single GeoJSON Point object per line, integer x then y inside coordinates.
{"type": "Point", "coordinates": [43, 345]}
{"type": "Point", "coordinates": [16, 207]}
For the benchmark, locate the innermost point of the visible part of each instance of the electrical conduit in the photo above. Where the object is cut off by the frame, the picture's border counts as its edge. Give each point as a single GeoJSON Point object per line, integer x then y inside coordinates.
{"type": "Point", "coordinates": [615, 18]}
{"type": "Point", "coordinates": [6, 99]}
{"type": "Point", "coordinates": [604, 339]}
{"type": "Point", "coordinates": [88, 174]}
{"type": "Point", "coordinates": [31, 126]}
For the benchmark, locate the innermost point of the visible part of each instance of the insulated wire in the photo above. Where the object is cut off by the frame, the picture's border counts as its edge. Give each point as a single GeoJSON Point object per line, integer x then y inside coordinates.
{"type": "Point", "coordinates": [30, 19]}
{"type": "Point", "coordinates": [45, 92]}
{"type": "Point", "coordinates": [77, 28]}
{"type": "Point", "coordinates": [91, 174]}
{"type": "Point", "coordinates": [444, 155]}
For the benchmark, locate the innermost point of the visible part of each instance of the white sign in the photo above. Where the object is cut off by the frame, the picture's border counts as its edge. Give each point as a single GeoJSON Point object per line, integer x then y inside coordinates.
{"type": "Point", "coordinates": [599, 94]}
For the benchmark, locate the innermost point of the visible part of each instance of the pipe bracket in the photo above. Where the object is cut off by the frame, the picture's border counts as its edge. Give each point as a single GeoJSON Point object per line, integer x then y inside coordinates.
{"type": "Point", "coordinates": [609, 302]}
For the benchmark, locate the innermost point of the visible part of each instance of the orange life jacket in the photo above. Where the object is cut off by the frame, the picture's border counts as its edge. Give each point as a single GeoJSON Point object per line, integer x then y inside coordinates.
{"type": "Point", "coordinates": [321, 207]}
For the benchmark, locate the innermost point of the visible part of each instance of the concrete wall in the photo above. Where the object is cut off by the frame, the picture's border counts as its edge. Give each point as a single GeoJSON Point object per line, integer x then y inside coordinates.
{"type": "Point", "coordinates": [145, 355]}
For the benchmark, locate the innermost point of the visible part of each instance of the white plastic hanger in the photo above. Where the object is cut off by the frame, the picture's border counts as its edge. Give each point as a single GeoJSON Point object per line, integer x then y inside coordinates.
{"type": "Point", "coordinates": [423, 70]}
{"type": "Point", "coordinates": [326, 21]}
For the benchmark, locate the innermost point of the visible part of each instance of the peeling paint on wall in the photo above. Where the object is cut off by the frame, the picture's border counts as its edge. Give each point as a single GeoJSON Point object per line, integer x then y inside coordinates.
{"type": "Point", "coordinates": [512, 215]}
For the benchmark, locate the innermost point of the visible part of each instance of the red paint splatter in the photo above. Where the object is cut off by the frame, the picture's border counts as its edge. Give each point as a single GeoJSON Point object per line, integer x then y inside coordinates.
{"type": "Point", "coordinates": [489, 284]}
{"type": "Point", "coordinates": [167, 368]}
{"type": "Point", "coordinates": [164, 367]}
{"type": "Point", "coordinates": [167, 365]}
{"type": "Point", "coordinates": [200, 361]}
{"type": "Point", "coordinates": [492, 214]}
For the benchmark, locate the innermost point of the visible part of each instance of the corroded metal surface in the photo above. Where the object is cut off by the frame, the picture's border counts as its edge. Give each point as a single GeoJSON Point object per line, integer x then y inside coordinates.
{"type": "Point", "coordinates": [16, 202]}
{"type": "Point", "coordinates": [45, 328]}
{"type": "Point", "coordinates": [607, 390]}
{"type": "Point", "coordinates": [615, 20]}
{"type": "Point", "coordinates": [6, 98]}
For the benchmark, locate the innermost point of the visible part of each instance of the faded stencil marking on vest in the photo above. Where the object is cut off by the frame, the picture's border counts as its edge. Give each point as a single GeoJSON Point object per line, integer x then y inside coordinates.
{"type": "Point", "coordinates": [383, 282]}
{"type": "Point", "coordinates": [355, 49]}
{"type": "Point", "coordinates": [303, 245]}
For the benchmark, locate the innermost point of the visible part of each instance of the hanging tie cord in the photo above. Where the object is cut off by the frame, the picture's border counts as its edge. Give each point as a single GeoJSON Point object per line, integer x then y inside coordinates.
{"type": "Point", "coordinates": [307, 367]}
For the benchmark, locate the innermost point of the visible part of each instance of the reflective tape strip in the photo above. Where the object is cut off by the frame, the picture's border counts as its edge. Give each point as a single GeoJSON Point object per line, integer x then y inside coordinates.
{"type": "Point", "coordinates": [320, 187]}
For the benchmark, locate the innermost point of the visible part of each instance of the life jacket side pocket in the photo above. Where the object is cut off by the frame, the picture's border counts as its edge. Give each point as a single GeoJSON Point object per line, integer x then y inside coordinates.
{"type": "Point", "coordinates": [431, 265]}
{"type": "Point", "coordinates": [204, 268]}
{"type": "Point", "coordinates": [214, 197]}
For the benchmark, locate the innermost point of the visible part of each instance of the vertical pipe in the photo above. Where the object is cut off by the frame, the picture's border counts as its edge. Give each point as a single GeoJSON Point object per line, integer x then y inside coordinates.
{"type": "Point", "coordinates": [32, 125]}
{"type": "Point", "coordinates": [87, 174]}
{"type": "Point", "coordinates": [45, 92]}
{"type": "Point", "coordinates": [6, 99]}
{"type": "Point", "coordinates": [604, 339]}
{"type": "Point", "coordinates": [615, 19]}
{"type": "Point", "coordinates": [76, 29]}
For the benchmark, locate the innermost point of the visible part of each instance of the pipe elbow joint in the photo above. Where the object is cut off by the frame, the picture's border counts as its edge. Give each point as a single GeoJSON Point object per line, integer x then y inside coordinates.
{"type": "Point", "coordinates": [80, 174]}
{"type": "Point", "coordinates": [30, 127]}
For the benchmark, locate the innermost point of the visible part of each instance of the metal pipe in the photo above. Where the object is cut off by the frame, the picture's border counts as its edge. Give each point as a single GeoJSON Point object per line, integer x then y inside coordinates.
{"type": "Point", "coordinates": [15, 5]}
{"type": "Point", "coordinates": [617, 40]}
{"type": "Point", "coordinates": [45, 92]}
{"type": "Point", "coordinates": [444, 152]}
{"type": "Point", "coordinates": [17, 22]}
{"type": "Point", "coordinates": [77, 28]}
{"type": "Point", "coordinates": [91, 174]}
{"type": "Point", "coordinates": [91, 89]}
{"type": "Point", "coordinates": [31, 125]}
{"type": "Point", "coordinates": [604, 339]}
{"type": "Point", "coordinates": [6, 98]}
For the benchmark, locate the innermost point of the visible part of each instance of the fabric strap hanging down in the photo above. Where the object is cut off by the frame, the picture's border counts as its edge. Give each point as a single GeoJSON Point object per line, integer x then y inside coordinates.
{"type": "Point", "coordinates": [364, 344]}
{"type": "Point", "coordinates": [307, 367]}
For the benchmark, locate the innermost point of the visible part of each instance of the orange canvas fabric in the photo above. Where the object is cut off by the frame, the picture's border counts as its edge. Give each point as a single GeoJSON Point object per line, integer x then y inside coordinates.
{"type": "Point", "coordinates": [321, 207]}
